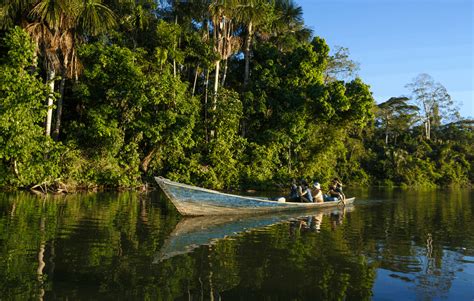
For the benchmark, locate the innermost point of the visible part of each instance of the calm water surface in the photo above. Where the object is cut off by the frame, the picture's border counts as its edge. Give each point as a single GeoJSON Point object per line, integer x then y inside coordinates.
{"type": "Point", "coordinates": [392, 245]}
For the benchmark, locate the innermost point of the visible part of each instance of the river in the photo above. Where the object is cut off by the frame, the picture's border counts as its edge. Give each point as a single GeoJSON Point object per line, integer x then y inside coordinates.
{"type": "Point", "coordinates": [391, 245]}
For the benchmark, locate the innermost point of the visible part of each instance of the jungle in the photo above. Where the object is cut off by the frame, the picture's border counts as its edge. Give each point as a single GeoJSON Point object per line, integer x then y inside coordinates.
{"type": "Point", "coordinates": [233, 94]}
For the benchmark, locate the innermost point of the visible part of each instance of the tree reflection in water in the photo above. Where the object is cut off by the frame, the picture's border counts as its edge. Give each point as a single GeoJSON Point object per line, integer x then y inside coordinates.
{"type": "Point", "coordinates": [266, 263]}
{"type": "Point", "coordinates": [102, 246]}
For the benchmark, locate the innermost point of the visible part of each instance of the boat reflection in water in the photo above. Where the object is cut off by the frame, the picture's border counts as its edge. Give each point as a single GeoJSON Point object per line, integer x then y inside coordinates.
{"type": "Point", "coordinates": [192, 232]}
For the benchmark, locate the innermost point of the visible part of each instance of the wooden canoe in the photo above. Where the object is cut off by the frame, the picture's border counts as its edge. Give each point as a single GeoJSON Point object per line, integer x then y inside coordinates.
{"type": "Point", "coordinates": [195, 201]}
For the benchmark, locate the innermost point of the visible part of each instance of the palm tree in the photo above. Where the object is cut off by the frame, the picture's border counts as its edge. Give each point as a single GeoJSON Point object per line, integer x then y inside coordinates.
{"type": "Point", "coordinates": [289, 23]}
{"type": "Point", "coordinates": [13, 12]}
{"type": "Point", "coordinates": [251, 13]}
{"type": "Point", "coordinates": [89, 18]}
{"type": "Point", "coordinates": [47, 15]}
{"type": "Point", "coordinates": [58, 27]}
{"type": "Point", "coordinates": [223, 28]}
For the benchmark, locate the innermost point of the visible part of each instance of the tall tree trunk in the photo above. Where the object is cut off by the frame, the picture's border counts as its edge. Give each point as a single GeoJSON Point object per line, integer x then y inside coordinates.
{"type": "Point", "coordinates": [15, 168]}
{"type": "Point", "coordinates": [224, 74]}
{"type": "Point", "coordinates": [427, 120]}
{"type": "Point", "coordinates": [59, 110]}
{"type": "Point", "coordinates": [195, 79]}
{"type": "Point", "coordinates": [216, 85]}
{"type": "Point", "coordinates": [49, 117]}
{"type": "Point", "coordinates": [206, 89]}
{"type": "Point", "coordinates": [428, 129]}
{"type": "Point", "coordinates": [174, 68]}
{"type": "Point", "coordinates": [174, 49]}
{"type": "Point", "coordinates": [212, 131]}
{"type": "Point", "coordinates": [247, 55]}
{"type": "Point", "coordinates": [289, 158]}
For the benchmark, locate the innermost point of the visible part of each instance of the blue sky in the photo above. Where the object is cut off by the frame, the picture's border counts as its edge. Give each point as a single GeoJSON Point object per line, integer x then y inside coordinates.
{"type": "Point", "coordinates": [395, 40]}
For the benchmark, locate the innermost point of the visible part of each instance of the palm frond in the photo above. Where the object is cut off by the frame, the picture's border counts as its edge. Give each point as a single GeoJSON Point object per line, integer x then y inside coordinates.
{"type": "Point", "coordinates": [96, 18]}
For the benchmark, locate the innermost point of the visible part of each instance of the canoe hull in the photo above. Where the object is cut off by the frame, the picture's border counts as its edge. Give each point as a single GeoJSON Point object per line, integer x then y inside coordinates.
{"type": "Point", "coordinates": [195, 201]}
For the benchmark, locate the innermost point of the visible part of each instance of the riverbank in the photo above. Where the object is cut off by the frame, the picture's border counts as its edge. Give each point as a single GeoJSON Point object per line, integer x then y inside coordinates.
{"type": "Point", "coordinates": [59, 187]}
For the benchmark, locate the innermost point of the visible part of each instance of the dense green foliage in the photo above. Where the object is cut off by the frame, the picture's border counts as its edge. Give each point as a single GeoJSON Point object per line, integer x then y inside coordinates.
{"type": "Point", "coordinates": [252, 99]}
{"type": "Point", "coordinates": [27, 156]}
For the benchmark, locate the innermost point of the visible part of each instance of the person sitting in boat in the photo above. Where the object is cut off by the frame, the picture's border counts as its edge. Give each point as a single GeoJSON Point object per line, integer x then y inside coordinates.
{"type": "Point", "coordinates": [304, 193]}
{"type": "Point", "coordinates": [317, 193]}
{"type": "Point", "coordinates": [332, 194]}
{"type": "Point", "coordinates": [338, 185]}
{"type": "Point", "coordinates": [293, 192]}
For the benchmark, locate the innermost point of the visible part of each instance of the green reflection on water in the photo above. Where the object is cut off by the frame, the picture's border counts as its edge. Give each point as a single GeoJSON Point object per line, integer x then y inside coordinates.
{"type": "Point", "coordinates": [104, 246]}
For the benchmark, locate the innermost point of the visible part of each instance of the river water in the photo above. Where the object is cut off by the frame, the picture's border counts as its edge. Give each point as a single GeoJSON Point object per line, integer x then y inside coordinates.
{"type": "Point", "coordinates": [391, 245]}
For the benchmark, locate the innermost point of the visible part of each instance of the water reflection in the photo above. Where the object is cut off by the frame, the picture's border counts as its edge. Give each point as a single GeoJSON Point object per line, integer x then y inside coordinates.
{"type": "Point", "coordinates": [193, 232]}
{"type": "Point", "coordinates": [403, 245]}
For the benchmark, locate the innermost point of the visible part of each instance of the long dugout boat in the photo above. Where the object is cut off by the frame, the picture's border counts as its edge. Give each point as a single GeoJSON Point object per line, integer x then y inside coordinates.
{"type": "Point", "coordinates": [196, 201]}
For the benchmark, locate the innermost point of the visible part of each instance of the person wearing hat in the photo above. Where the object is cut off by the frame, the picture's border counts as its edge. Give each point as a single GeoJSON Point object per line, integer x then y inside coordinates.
{"type": "Point", "coordinates": [338, 187]}
{"type": "Point", "coordinates": [317, 193]}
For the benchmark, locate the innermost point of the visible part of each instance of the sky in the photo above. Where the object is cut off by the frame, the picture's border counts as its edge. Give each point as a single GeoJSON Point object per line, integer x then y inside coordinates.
{"type": "Point", "coordinates": [396, 40]}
